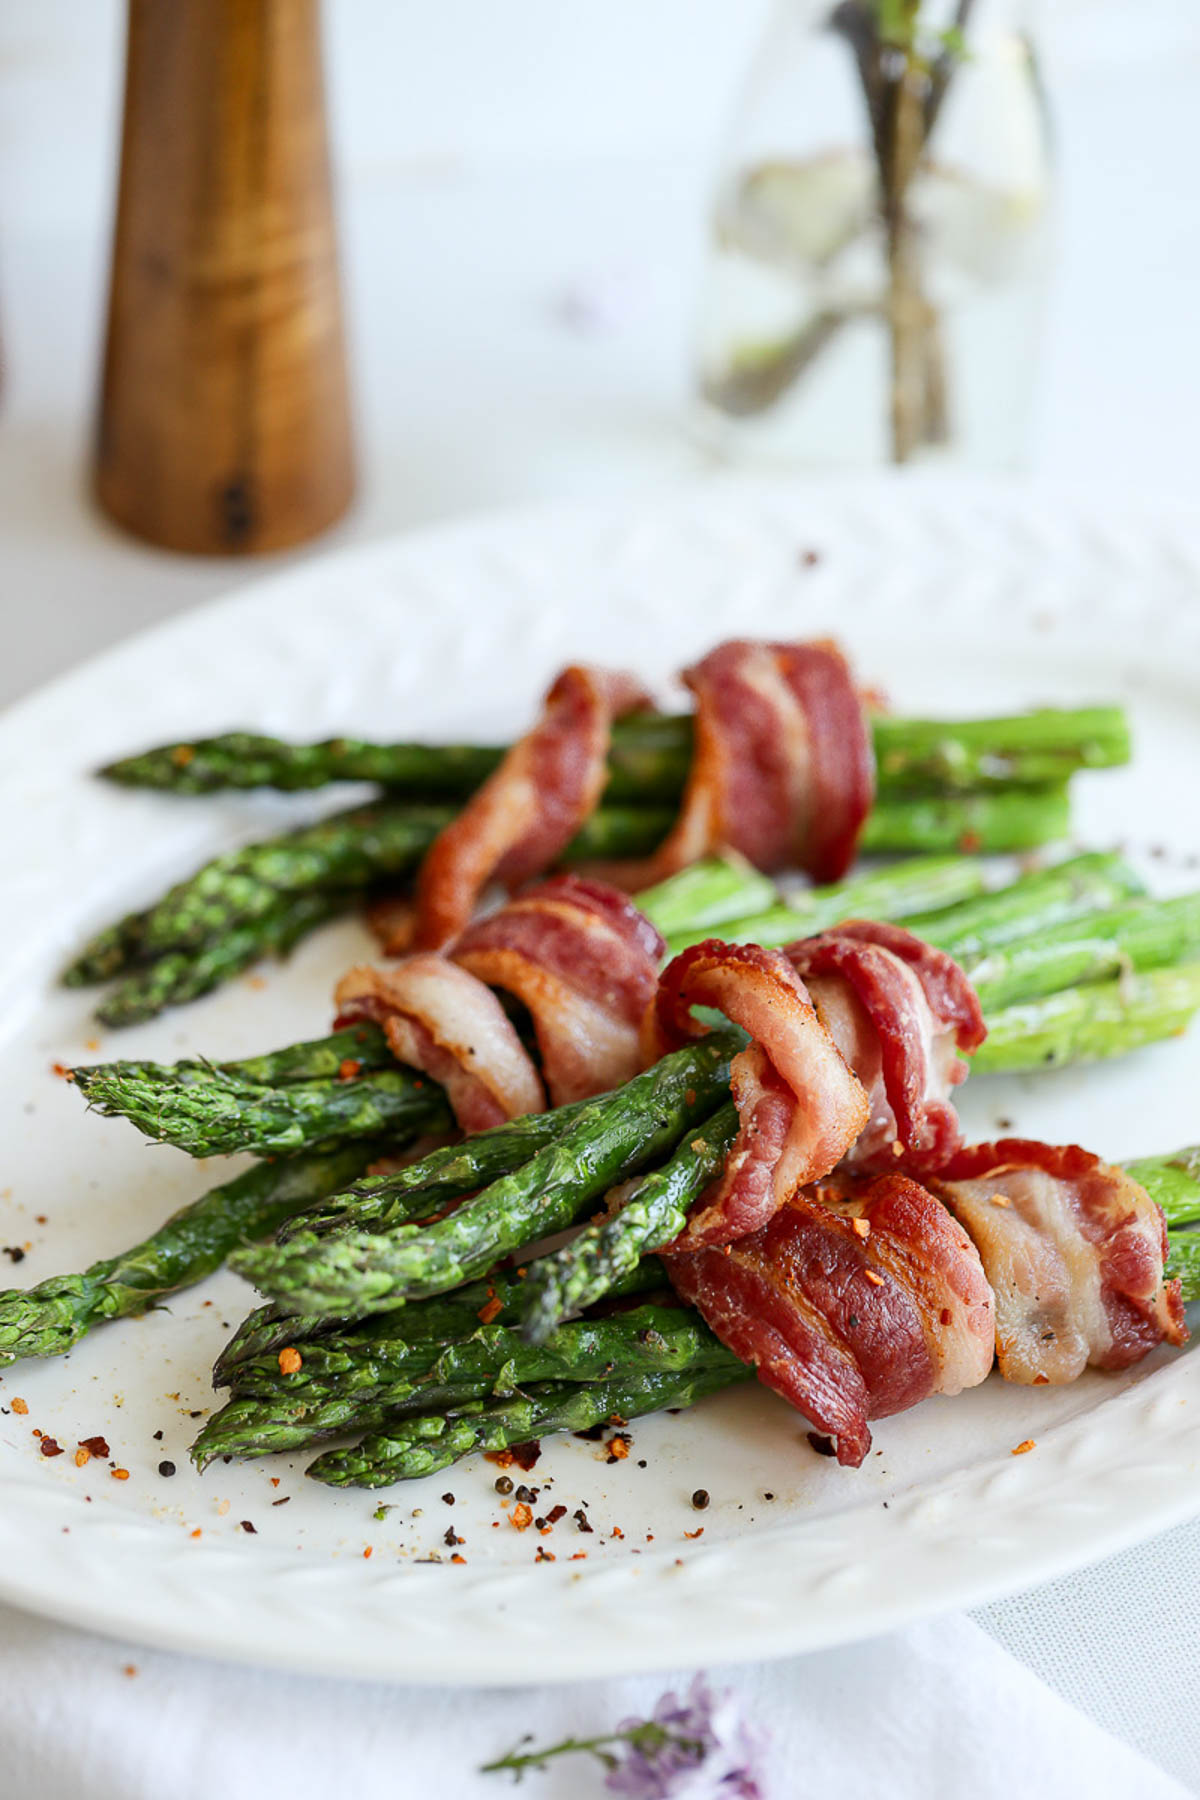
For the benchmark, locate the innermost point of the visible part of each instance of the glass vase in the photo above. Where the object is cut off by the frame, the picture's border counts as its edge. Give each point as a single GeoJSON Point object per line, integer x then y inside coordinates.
{"type": "Point", "coordinates": [879, 239]}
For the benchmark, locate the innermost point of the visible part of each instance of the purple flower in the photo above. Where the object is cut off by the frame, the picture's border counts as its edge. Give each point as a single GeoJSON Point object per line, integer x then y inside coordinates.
{"type": "Point", "coordinates": [697, 1748]}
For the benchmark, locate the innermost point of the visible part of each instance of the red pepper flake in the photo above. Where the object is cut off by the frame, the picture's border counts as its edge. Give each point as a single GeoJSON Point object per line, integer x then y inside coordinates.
{"type": "Point", "coordinates": [526, 1455]}
{"type": "Point", "coordinates": [252, 1529]}
{"type": "Point", "coordinates": [617, 1532]}
{"type": "Point", "coordinates": [290, 1361]}
{"type": "Point", "coordinates": [1021, 1448]}
{"type": "Point", "coordinates": [197, 1532]}
{"type": "Point", "coordinates": [582, 1521]}
{"type": "Point", "coordinates": [62, 1071]}
{"type": "Point", "coordinates": [82, 1457]}
{"type": "Point", "coordinates": [491, 1309]}
{"type": "Point", "coordinates": [874, 1279]}
{"type": "Point", "coordinates": [1041, 1381]}
{"type": "Point", "coordinates": [579, 1556]}
{"type": "Point", "coordinates": [120, 1474]}
{"type": "Point", "coordinates": [98, 1447]}
{"type": "Point", "coordinates": [462, 1559]}
{"type": "Point", "coordinates": [617, 1447]}
{"type": "Point", "coordinates": [544, 1555]}
{"type": "Point", "coordinates": [130, 1669]}
{"type": "Point", "coordinates": [20, 1406]}
{"type": "Point", "coordinates": [521, 1517]}
{"type": "Point", "coordinates": [699, 1532]}
{"type": "Point", "coordinates": [275, 1480]}
{"type": "Point", "coordinates": [555, 1514]}
{"type": "Point", "coordinates": [368, 1552]}
{"type": "Point", "coordinates": [348, 1068]}
{"type": "Point", "coordinates": [945, 1315]}
{"type": "Point", "coordinates": [282, 1502]}
{"type": "Point", "coordinates": [50, 1447]}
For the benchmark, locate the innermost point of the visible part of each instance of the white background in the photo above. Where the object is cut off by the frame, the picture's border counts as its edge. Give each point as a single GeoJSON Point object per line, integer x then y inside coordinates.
{"type": "Point", "coordinates": [490, 156]}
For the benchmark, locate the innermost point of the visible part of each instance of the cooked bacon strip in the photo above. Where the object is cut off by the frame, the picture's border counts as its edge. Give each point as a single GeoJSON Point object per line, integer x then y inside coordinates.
{"type": "Point", "coordinates": [1074, 1250]}
{"type": "Point", "coordinates": [526, 813]}
{"type": "Point", "coordinates": [852, 1309]}
{"type": "Point", "coordinates": [800, 1105]}
{"type": "Point", "coordinates": [584, 962]}
{"type": "Point", "coordinates": [899, 1011]}
{"type": "Point", "coordinates": [783, 767]}
{"type": "Point", "coordinates": [440, 1019]}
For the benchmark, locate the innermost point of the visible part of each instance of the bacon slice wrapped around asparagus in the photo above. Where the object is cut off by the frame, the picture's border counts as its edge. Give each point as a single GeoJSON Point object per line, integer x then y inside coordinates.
{"type": "Point", "coordinates": [851, 1309]}
{"type": "Point", "coordinates": [900, 1012]}
{"type": "Point", "coordinates": [800, 1105]}
{"type": "Point", "coordinates": [579, 957]}
{"type": "Point", "coordinates": [1074, 1250]}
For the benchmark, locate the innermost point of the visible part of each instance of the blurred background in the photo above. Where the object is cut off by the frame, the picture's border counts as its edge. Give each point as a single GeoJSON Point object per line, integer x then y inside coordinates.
{"type": "Point", "coordinates": [524, 201]}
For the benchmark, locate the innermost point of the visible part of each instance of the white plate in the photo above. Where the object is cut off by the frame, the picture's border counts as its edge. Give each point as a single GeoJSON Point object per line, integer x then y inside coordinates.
{"type": "Point", "coordinates": [961, 599]}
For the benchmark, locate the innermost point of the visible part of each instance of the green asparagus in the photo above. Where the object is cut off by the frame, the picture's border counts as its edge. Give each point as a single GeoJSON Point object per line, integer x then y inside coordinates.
{"type": "Point", "coordinates": [49, 1319]}
{"type": "Point", "coordinates": [1090, 1024]}
{"type": "Point", "coordinates": [649, 757]}
{"type": "Point", "coordinates": [224, 1115]}
{"type": "Point", "coordinates": [423, 1445]}
{"type": "Point", "coordinates": [612, 1137]}
{"type": "Point", "coordinates": [1149, 934]}
{"type": "Point", "coordinates": [370, 844]}
{"type": "Point", "coordinates": [443, 1317]}
{"type": "Point", "coordinates": [182, 975]}
{"type": "Point", "coordinates": [651, 1214]}
{"type": "Point", "coordinates": [338, 1385]}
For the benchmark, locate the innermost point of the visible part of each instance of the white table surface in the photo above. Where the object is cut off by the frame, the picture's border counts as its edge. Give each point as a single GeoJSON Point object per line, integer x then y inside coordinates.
{"type": "Point", "coordinates": [473, 393]}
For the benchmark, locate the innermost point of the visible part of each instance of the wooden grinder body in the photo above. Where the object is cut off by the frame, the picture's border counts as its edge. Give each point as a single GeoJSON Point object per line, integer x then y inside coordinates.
{"type": "Point", "coordinates": [224, 422]}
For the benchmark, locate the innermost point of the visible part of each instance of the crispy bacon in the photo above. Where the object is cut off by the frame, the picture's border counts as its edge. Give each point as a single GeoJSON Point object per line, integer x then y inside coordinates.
{"type": "Point", "coordinates": [584, 962]}
{"type": "Point", "coordinates": [529, 809]}
{"type": "Point", "coordinates": [439, 1018]}
{"type": "Point", "coordinates": [800, 1105]}
{"type": "Point", "coordinates": [782, 768]}
{"type": "Point", "coordinates": [1074, 1250]}
{"type": "Point", "coordinates": [899, 1011]}
{"type": "Point", "coordinates": [851, 1309]}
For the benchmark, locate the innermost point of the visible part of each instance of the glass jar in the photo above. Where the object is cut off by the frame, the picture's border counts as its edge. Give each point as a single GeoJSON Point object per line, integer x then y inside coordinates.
{"type": "Point", "coordinates": [879, 245]}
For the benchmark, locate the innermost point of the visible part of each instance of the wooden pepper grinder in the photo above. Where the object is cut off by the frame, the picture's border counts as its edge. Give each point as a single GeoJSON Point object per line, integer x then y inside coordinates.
{"type": "Point", "coordinates": [224, 420]}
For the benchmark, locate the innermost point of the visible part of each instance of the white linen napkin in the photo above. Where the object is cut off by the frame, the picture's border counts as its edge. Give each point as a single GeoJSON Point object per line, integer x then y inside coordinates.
{"type": "Point", "coordinates": [937, 1712]}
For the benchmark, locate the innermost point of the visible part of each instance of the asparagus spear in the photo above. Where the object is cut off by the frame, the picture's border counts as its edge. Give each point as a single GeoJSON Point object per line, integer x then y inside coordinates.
{"type": "Point", "coordinates": [224, 1115]}
{"type": "Point", "coordinates": [1074, 889]}
{"type": "Point", "coordinates": [368, 844]}
{"type": "Point", "coordinates": [1172, 1182]}
{"type": "Point", "coordinates": [443, 1317]}
{"type": "Point", "coordinates": [50, 1318]}
{"type": "Point", "coordinates": [421, 1446]}
{"type": "Point", "coordinates": [653, 1213]}
{"type": "Point", "coordinates": [1149, 934]}
{"type": "Point", "coordinates": [183, 975]}
{"type": "Point", "coordinates": [339, 1388]}
{"type": "Point", "coordinates": [1009, 819]}
{"type": "Point", "coordinates": [1142, 935]}
{"type": "Point", "coordinates": [348, 850]}
{"type": "Point", "coordinates": [611, 1137]}
{"type": "Point", "coordinates": [381, 1201]}
{"type": "Point", "coordinates": [1090, 1024]}
{"type": "Point", "coordinates": [649, 757]}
